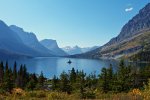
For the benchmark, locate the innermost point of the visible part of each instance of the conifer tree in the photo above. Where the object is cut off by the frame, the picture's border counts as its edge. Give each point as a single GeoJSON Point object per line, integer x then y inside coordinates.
{"type": "Point", "coordinates": [103, 80]}
{"type": "Point", "coordinates": [81, 83]}
{"type": "Point", "coordinates": [72, 75]}
{"type": "Point", "coordinates": [1, 72]}
{"type": "Point", "coordinates": [8, 78]}
{"type": "Point", "coordinates": [25, 76]}
{"type": "Point", "coordinates": [110, 78]}
{"type": "Point", "coordinates": [123, 77]}
{"type": "Point", "coordinates": [64, 83]}
{"type": "Point", "coordinates": [41, 80]}
{"type": "Point", "coordinates": [31, 85]}
{"type": "Point", "coordinates": [15, 73]}
{"type": "Point", "coordinates": [6, 67]}
{"type": "Point", "coordinates": [55, 83]}
{"type": "Point", "coordinates": [20, 77]}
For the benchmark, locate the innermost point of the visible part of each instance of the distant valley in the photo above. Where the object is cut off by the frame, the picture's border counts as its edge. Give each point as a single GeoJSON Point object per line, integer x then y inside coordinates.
{"type": "Point", "coordinates": [78, 50]}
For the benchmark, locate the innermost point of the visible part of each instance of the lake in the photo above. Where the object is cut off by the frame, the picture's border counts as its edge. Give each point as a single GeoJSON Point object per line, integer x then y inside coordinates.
{"type": "Point", "coordinates": [51, 66]}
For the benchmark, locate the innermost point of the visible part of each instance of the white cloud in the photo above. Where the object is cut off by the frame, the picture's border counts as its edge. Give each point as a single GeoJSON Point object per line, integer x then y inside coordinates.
{"type": "Point", "coordinates": [129, 9]}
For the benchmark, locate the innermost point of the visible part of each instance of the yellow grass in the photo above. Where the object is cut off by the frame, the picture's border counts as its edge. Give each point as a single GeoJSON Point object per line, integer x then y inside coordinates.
{"type": "Point", "coordinates": [135, 94]}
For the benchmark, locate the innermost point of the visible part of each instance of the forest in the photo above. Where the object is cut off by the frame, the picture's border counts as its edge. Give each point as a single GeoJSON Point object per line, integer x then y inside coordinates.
{"type": "Point", "coordinates": [74, 83]}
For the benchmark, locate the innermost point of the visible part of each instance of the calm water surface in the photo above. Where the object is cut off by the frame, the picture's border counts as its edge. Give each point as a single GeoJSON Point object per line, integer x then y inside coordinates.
{"type": "Point", "coordinates": [51, 66]}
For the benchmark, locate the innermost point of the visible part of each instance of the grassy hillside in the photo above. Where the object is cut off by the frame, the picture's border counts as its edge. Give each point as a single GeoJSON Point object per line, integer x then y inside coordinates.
{"type": "Point", "coordinates": [128, 47]}
{"type": "Point", "coordinates": [144, 53]}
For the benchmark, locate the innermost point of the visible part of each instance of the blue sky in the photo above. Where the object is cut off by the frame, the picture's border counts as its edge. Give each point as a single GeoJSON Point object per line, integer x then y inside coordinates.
{"type": "Point", "coordinates": [71, 22]}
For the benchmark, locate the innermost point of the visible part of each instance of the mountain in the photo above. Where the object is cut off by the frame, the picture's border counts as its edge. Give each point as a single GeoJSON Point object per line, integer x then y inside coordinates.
{"type": "Point", "coordinates": [53, 46]}
{"type": "Point", "coordinates": [31, 41]}
{"type": "Point", "coordinates": [11, 43]}
{"type": "Point", "coordinates": [5, 54]}
{"type": "Point", "coordinates": [77, 49]}
{"type": "Point", "coordinates": [130, 41]}
{"type": "Point", "coordinates": [72, 50]}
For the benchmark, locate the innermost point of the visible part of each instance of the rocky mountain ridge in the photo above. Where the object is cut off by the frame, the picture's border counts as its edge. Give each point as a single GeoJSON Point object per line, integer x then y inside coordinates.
{"type": "Point", "coordinates": [126, 43]}
{"type": "Point", "coordinates": [53, 46]}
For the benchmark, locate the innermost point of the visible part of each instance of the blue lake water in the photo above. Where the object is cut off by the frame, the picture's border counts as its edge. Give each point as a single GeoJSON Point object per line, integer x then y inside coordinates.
{"type": "Point", "coordinates": [51, 66]}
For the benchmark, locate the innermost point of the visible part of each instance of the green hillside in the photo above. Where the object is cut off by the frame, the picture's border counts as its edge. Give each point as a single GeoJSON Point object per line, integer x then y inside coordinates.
{"type": "Point", "coordinates": [144, 53]}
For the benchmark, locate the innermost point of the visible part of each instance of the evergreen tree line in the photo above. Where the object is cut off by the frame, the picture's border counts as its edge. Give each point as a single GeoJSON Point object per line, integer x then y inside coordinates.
{"type": "Point", "coordinates": [13, 78]}
{"type": "Point", "coordinates": [123, 79]}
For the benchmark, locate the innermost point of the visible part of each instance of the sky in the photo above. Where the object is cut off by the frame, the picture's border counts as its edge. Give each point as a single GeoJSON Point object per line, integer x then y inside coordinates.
{"type": "Point", "coordinates": [84, 23]}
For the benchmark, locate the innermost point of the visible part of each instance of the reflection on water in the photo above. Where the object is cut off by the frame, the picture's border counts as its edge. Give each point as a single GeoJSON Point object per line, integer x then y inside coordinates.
{"type": "Point", "coordinates": [51, 66]}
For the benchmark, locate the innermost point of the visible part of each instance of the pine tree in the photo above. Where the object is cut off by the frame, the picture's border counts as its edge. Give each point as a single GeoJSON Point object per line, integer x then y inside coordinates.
{"type": "Point", "coordinates": [25, 76]}
{"type": "Point", "coordinates": [64, 83]}
{"type": "Point", "coordinates": [103, 80]}
{"type": "Point", "coordinates": [1, 72]}
{"type": "Point", "coordinates": [6, 67]}
{"type": "Point", "coordinates": [80, 82]}
{"type": "Point", "coordinates": [55, 83]}
{"type": "Point", "coordinates": [91, 81]}
{"type": "Point", "coordinates": [20, 77]}
{"type": "Point", "coordinates": [11, 82]}
{"type": "Point", "coordinates": [8, 78]}
{"type": "Point", "coordinates": [15, 73]}
{"type": "Point", "coordinates": [73, 75]}
{"type": "Point", "coordinates": [72, 78]}
{"type": "Point", "coordinates": [31, 85]}
{"type": "Point", "coordinates": [41, 80]}
{"type": "Point", "coordinates": [110, 78]}
{"type": "Point", "coordinates": [123, 77]}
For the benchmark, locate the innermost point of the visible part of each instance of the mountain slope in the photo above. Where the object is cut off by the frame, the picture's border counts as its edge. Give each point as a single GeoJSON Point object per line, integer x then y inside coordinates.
{"type": "Point", "coordinates": [10, 41]}
{"type": "Point", "coordinates": [53, 46]}
{"type": "Point", "coordinates": [138, 24]}
{"type": "Point", "coordinates": [31, 41]}
{"type": "Point", "coordinates": [127, 42]}
{"type": "Point", "coordinates": [144, 53]}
